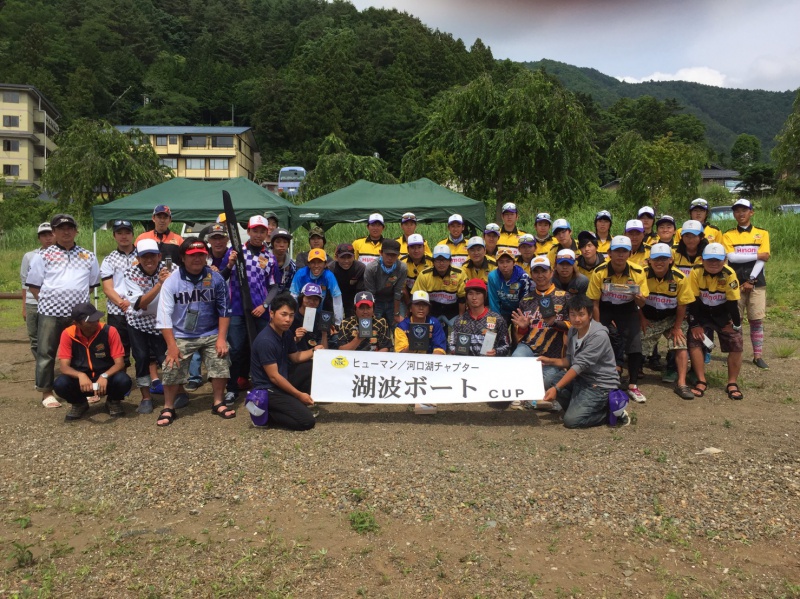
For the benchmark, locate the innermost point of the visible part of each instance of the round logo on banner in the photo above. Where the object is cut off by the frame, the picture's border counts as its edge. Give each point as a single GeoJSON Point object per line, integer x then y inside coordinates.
{"type": "Point", "coordinates": [339, 362]}
{"type": "Point", "coordinates": [365, 322]}
{"type": "Point", "coordinates": [420, 332]}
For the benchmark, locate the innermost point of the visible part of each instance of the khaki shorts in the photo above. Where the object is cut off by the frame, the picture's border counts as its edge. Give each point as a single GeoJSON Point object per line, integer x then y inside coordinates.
{"type": "Point", "coordinates": [754, 303]}
{"type": "Point", "coordinates": [218, 368]}
{"type": "Point", "coordinates": [658, 329]}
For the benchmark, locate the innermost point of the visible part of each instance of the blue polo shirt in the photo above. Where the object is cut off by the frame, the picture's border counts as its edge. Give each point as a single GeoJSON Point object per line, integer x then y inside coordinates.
{"type": "Point", "coordinates": [270, 348]}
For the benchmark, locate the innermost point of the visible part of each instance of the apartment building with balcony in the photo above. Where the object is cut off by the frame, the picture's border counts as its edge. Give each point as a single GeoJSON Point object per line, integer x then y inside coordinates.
{"type": "Point", "coordinates": [26, 131]}
{"type": "Point", "coordinates": [206, 153]}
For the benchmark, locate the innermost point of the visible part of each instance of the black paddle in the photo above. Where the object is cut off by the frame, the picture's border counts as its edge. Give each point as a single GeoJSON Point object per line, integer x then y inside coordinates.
{"type": "Point", "coordinates": [241, 272]}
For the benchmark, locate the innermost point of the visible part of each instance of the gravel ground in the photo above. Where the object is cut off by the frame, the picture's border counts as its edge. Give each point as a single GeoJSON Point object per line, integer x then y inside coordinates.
{"type": "Point", "coordinates": [513, 487]}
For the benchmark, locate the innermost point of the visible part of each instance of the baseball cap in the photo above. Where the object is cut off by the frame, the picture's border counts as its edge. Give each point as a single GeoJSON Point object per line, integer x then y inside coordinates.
{"type": "Point", "coordinates": [120, 224]}
{"type": "Point", "coordinates": [620, 242]}
{"type": "Point", "coordinates": [509, 207]}
{"type": "Point", "coordinates": [698, 203]}
{"type": "Point", "coordinates": [375, 217]}
{"type": "Point", "coordinates": [45, 228]}
{"type": "Point", "coordinates": [310, 289]}
{"type": "Point", "coordinates": [217, 230]}
{"type": "Point", "coordinates": [364, 297]}
{"type": "Point", "coordinates": [420, 296]}
{"type": "Point", "coordinates": [256, 403]}
{"type": "Point", "coordinates": [617, 402]}
{"type": "Point", "coordinates": [162, 209]}
{"type": "Point", "coordinates": [543, 216]}
{"type": "Point", "coordinates": [603, 214]}
{"type": "Point", "coordinates": [565, 255]}
{"type": "Point", "coordinates": [585, 237]}
{"type": "Point", "coordinates": [695, 227]}
{"type": "Point", "coordinates": [317, 254]}
{"type": "Point", "coordinates": [455, 218]}
{"type": "Point", "coordinates": [63, 219]}
{"type": "Point", "coordinates": [540, 262]}
{"type": "Point", "coordinates": [665, 218]}
{"type": "Point", "coordinates": [196, 247]}
{"type": "Point", "coordinates": [86, 312]}
{"type": "Point", "coordinates": [561, 223]}
{"type": "Point", "coordinates": [415, 239]}
{"type": "Point", "coordinates": [742, 202]}
{"type": "Point", "coordinates": [714, 251]}
{"type": "Point", "coordinates": [269, 215]}
{"type": "Point", "coordinates": [281, 233]}
{"type": "Point", "coordinates": [492, 228]}
{"type": "Point", "coordinates": [147, 246]}
{"type": "Point", "coordinates": [441, 251]}
{"type": "Point", "coordinates": [660, 250]}
{"type": "Point", "coordinates": [408, 217]}
{"type": "Point", "coordinates": [318, 231]}
{"type": "Point", "coordinates": [504, 252]}
{"type": "Point", "coordinates": [634, 225]}
{"type": "Point", "coordinates": [345, 249]}
{"type": "Point", "coordinates": [473, 241]}
{"type": "Point", "coordinates": [390, 246]}
{"type": "Point", "coordinates": [647, 210]}
{"type": "Point", "coordinates": [479, 284]}
{"type": "Point", "coordinates": [257, 221]}
{"type": "Point", "coordinates": [526, 239]}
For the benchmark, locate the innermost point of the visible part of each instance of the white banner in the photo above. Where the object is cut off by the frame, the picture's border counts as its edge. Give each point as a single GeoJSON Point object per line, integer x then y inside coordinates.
{"type": "Point", "coordinates": [389, 378]}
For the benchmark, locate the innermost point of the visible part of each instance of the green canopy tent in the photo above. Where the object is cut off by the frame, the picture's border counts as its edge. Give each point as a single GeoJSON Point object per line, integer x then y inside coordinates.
{"type": "Point", "coordinates": [195, 201]}
{"type": "Point", "coordinates": [352, 204]}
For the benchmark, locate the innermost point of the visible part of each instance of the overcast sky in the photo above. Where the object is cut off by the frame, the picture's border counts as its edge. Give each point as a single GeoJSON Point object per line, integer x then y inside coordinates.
{"type": "Point", "coordinates": [729, 43]}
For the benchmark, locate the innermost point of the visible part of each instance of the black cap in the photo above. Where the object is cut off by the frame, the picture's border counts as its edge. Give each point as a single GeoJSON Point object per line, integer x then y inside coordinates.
{"type": "Point", "coordinates": [86, 312]}
{"type": "Point", "coordinates": [281, 233]}
{"type": "Point", "coordinates": [343, 249]}
{"type": "Point", "coordinates": [390, 246]}
{"type": "Point", "coordinates": [585, 237]}
{"type": "Point", "coordinates": [122, 224]}
{"type": "Point", "coordinates": [63, 219]}
{"type": "Point", "coordinates": [217, 229]}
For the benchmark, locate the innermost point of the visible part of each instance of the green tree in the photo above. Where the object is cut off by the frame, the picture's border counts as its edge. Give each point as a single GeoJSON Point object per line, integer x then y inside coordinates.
{"type": "Point", "coordinates": [96, 161]}
{"type": "Point", "coordinates": [503, 138]}
{"type": "Point", "coordinates": [651, 172]}
{"type": "Point", "coordinates": [337, 167]}
{"type": "Point", "coordinates": [757, 179]}
{"type": "Point", "coordinates": [786, 154]}
{"type": "Point", "coordinates": [746, 151]}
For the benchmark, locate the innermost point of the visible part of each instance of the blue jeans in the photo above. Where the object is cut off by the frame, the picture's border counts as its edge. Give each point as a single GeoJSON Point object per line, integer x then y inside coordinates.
{"type": "Point", "coordinates": [195, 376]}
{"type": "Point", "coordinates": [550, 374]}
{"type": "Point", "coordinates": [49, 335]}
{"type": "Point", "coordinates": [585, 405]}
{"type": "Point", "coordinates": [384, 309]}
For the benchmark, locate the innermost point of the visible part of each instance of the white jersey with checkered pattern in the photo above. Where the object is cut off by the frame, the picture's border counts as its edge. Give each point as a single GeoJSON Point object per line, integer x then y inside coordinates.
{"type": "Point", "coordinates": [113, 267]}
{"type": "Point", "coordinates": [63, 278]}
{"type": "Point", "coordinates": [136, 283]}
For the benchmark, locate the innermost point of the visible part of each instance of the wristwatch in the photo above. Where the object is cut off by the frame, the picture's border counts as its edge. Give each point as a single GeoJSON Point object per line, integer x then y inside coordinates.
{"type": "Point", "coordinates": [104, 375]}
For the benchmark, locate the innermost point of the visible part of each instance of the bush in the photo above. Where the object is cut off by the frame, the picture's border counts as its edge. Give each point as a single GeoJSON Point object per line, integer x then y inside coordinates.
{"type": "Point", "coordinates": [717, 195]}
{"type": "Point", "coordinates": [21, 207]}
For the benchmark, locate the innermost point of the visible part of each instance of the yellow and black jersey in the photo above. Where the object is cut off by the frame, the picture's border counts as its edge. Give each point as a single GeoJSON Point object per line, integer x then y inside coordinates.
{"type": "Point", "coordinates": [445, 291]}
{"type": "Point", "coordinates": [458, 251]}
{"type": "Point", "coordinates": [710, 232]}
{"type": "Point", "coordinates": [588, 269]}
{"type": "Point", "coordinates": [404, 246]}
{"type": "Point", "coordinates": [367, 250]}
{"type": "Point", "coordinates": [414, 270]}
{"type": "Point", "coordinates": [666, 294]}
{"type": "Point", "coordinates": [714, 290]}
{"type": "Point", "coordinates": [685, 264]}
{"type": "Point", "coordinates": [603, 282]}
{"type": "Point", "coordinates": [603, 245]}
{"type": "Point", "coordinates": [551, 255]}
{"type": "Point", "coordinates": [524, 264]}
{"type": "Point", "coordinates": [641, 255]}
{"type": "Point", "coordinates": [510, 239]}
{"type": "Point", "coordinates": [543, 247]}
{"type": "Point", "coordinates": [479, 272]}
{"type": "Point", "coordinates": [651, 237]}
{"type": "Point", "coordinates": [747, 243]}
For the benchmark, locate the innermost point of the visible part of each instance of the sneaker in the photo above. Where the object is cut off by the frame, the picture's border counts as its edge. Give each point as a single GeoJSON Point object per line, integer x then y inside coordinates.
{"type": "Point", "coordinates": [759, 361]}
{"type": "Point", "coordinates": [706, 357]}
{"type": "Point", "coordinates": [425, 408]}
{"type": "Point", "coordinates": [114, 408]}
{"type": "Point", "coordinates": [76, 411]}
{"type": "Point", "coordinates": [243, 383]}
{"type": "Point", "coordinates": [623, 420]}
{"type": "Point", "coordinates": [636, 395]}
{"type": "Point", "coordinates": [156, 387]}
{"type": "Point", "coordinates": [516, 405]}
{"type": "Point", "coordinates": [669, 376]}
{"type": "Point", "coordinates": [192, 386]}
{"type": "Point", "coordinates": [181, 401]}
{"type": "Point", "coordinates": [230, 398]}
{"type": "Point", "coordinates": [145, 406]}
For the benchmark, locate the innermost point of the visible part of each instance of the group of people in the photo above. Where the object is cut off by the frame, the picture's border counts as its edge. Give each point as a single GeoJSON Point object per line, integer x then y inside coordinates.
{"type": "Point", "coordinates": [585, 306]}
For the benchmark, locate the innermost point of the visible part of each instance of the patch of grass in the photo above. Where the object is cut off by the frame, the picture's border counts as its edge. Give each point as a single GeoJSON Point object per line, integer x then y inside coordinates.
{"type": "Point", "coordinates": [727, 424]}
{"type": "Point", "coordinates": [785, 350]}
{"type": "Point", "coordinates": [21, 554]}
{"type": "Point", "coordinates": [662, 457]}
{"type": "Point", "coordinates": [358, 495]}
{"type": "Point", "coordinates": [23, 521]}
{"type": "Point", "coordinates": [363, 522]}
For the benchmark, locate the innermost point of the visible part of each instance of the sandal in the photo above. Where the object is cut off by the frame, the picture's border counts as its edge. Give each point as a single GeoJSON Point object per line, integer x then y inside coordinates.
{"type": "Point", "coordinates": [225, 412]}
{"type": "Point", "coordinates": [51, 402]}
{"type": "Point", "coordinates": [684, 392]}
{"type": "Point", "coordinates": [167, 414]}
{"type": "Point", "coordinates": [734, 393]}
{"type": "Point", "coordinates": [697, 391]}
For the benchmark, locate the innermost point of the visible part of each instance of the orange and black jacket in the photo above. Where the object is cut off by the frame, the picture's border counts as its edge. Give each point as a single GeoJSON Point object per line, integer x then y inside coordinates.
{"type": "Point", "coordinates": [92, 357]}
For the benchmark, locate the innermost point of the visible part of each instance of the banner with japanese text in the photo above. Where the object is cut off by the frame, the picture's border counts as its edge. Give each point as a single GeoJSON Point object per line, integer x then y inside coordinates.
{"type": "Point", "coordinates": [389, 378]}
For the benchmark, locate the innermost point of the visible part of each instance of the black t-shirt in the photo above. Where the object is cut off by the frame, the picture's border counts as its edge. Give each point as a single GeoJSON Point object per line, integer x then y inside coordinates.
{"type": "Point", "coordinates": [350, 281]}
{"type": "Point", "coordinates": [311, 339]}
{"type": "Point", "coordinates": [270, 348]}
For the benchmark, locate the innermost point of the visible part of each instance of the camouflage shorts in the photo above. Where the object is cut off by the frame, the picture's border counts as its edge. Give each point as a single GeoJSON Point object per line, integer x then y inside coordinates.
{"type": "Point", "coordinates": [656, 329]}
{"type": "Point", "coordinates": [218, 368]}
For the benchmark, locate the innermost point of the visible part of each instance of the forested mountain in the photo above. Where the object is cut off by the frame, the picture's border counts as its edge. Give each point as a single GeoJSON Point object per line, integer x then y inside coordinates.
{"type": "Point", "coordinates": [725, 112]}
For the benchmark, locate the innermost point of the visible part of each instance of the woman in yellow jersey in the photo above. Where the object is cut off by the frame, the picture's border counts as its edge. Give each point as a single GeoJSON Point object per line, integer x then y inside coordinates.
{"type": "Point", "coordinates": [602, 228]}
{"type": "Point", "coordinates": [690, 247]}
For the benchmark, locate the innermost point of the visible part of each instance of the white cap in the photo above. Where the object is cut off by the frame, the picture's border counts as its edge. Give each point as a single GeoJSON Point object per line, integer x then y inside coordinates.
{"type": "Point", "coordinates": [660, 250]}
{"type": "Point", "coordinates": [509, 207]}
{"type": "Point", "coordinates": [565, 255]}
{"type": "Point", "coordinates": [692, 226]}
{"type": "Point", "coordinates": [540, 261]}
{"type": "Point", "coordinates": [620, 242]}
{"type": "Point", "coordinates": [420, 296]}
{"type": "Point", "coordinates": [634, 225]}
{"type": "Point", "coordinates": [441, 251]}
{"type": "Point", "coordinates": [455, 218]}
{"type": "Point", "coordinates": [415, 239]}
{"type": "Point", "coordinates": [147, 246]}
{"type": "Point", "coordinates": [492, 228]}
{"type": "Point", "coordinates": [543, 216]}
{"type": "Point", "coordinates": [44, 227]}
{"type": "Point", "coordinates": [714, 251]}
{"type": "Point", "coordinates": [257, 221]}
{"type": "Point", "coordinates": [561, 223]}
{"type": "Point", "coordinates": [527, 238]}
{"type": "Point", "coordinates": [699, 203]}
{"type": "Point", "coordinates": [647, 210]}
{"type": "Point", "coordinates": [473, 241]}
{"type": "Point", "coordinates": [742, 202]}
{"type": "Point", "coordinates": [375, 217]}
